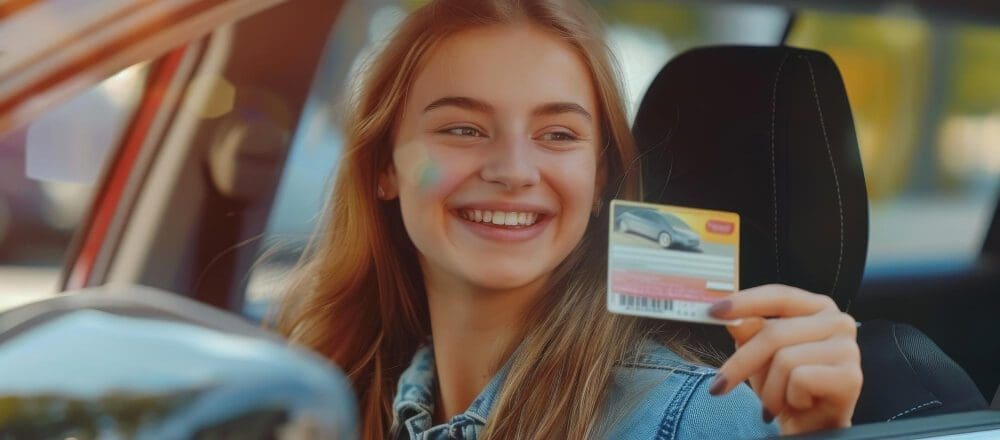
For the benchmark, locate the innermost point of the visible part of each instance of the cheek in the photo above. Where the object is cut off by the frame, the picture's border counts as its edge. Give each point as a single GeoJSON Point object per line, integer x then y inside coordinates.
{"type": "Point", "coordinates": [427, 178]}
{"type": "Point", "coordinates": [574, 182]}
{"type": "Point", "coordinates": [425, 184]}
{"type": "Point", "coordinates": [437, 178]}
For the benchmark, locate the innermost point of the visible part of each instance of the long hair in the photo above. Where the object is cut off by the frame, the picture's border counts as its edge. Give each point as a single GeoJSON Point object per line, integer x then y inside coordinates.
{"type": "Point", "coordinates": [358, 295]}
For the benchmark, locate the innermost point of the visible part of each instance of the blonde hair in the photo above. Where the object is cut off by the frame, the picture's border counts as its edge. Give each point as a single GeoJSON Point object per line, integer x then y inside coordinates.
{"type": "Point", "coordinates": [358, 296]}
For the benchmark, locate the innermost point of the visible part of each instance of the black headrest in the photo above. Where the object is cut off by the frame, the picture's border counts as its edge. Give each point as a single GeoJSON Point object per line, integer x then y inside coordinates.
{"type": "Point", "coordinates": [765, 132]}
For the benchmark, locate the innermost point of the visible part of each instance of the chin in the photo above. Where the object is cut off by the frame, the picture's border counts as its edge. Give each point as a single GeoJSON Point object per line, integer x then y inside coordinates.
{"type": "Point", "coordinates": [499, 278]}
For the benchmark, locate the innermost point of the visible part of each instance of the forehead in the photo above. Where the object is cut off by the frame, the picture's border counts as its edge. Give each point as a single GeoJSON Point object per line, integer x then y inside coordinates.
{"type": "Point", "coordinates": [507, 65]}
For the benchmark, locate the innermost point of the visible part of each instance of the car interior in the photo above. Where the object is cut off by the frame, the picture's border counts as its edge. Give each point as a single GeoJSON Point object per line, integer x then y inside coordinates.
{"type": "Point", "coordinates": [764, 131]}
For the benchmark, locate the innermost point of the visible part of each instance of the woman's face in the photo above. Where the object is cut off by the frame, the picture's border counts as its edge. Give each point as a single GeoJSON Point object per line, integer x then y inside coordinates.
{"type": "Point", "coordinates": [495, 159]}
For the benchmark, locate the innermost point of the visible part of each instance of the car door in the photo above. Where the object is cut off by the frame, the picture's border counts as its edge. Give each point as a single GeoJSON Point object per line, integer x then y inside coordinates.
{"type": "Point", "coordinates": [213, 65]}
{"type": "Point", "coordinates": [84, 85]}
{"type": "Point", "coordinates": [656, 224]}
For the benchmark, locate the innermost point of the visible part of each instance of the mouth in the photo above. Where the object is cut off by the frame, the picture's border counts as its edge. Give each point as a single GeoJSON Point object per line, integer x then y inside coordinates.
{"type": "Point", "coordinates": [508, 224]}
{"type": "Point", "coordinates": [501, 219]}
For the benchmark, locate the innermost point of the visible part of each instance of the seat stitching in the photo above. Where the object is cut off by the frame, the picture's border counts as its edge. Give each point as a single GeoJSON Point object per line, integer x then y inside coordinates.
{"type": "Point", "coordinates": [774, 174]}
{"type": "Point", "coordinates": [913, 409]}
{"type": "Point", "coordinates": [895, 341]}
{"type": "Point", "coordinates": [833, 166]}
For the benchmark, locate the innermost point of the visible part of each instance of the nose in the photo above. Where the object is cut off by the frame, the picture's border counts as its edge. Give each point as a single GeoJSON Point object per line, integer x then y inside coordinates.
{"type": "Point", "coordinates": [510, 162]}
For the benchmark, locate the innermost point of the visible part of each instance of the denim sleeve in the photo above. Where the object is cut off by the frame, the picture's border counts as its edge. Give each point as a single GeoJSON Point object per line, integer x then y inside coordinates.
{"type": "Point", "coordinates": [736, 415]}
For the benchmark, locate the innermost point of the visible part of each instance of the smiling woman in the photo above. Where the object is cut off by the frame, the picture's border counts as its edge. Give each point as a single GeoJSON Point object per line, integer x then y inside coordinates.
{"type": "Point", "coordinates": [528, 145]}
{"type": "Point", "coordinates": [459, 277]}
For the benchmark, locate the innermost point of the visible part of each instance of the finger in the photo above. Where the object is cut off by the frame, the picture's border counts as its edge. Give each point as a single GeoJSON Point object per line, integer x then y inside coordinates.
{"type": "Point", "coordinates": [773, 300]}
{"type": "Point", "coordinates": [745, 330]}
{"type": "Point", "coordinates": [832, 351]}
{"type": "Point", "coordinates": [753, 355]}
{"type": "Point", "coordinates": [757, 381]}
{"type": "Point", "coordinates": [838, 385]}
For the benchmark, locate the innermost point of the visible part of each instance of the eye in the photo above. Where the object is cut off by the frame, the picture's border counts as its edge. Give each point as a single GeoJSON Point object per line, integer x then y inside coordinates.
{"type": "Point", "coordinates": [558, 136]}
{"type": "Point", "coordinates": [463, 131]}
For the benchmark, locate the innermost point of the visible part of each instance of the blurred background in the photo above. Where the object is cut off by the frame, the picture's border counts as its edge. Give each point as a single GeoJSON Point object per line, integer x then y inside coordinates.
{"type": "Point", "coordinates": [925, 96]}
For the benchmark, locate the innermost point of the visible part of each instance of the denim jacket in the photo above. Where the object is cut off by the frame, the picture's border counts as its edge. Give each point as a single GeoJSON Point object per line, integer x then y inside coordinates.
{"type": "Point", "coordinates": [659, 396]}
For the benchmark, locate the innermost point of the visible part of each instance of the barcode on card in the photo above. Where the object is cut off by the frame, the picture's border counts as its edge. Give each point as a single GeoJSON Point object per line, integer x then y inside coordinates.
{"type": "Point", "coordinates": [641, 303]}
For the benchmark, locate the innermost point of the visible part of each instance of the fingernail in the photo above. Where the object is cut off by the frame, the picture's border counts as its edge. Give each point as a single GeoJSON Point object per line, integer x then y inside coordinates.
{"type": "Point", "coordinates": [718, 385]}
{"type": "Point", "coordinates": [720, 308]}
{"type": "Point", "coordinates": [766, 415]}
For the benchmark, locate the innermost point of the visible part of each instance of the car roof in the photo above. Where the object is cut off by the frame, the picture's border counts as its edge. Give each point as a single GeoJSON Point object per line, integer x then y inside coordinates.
{"type": "Point", "coordinates": [59, 61]}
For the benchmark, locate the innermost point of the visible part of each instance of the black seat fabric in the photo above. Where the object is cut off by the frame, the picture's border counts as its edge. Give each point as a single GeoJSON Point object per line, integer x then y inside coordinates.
{"type": "Point", "coordinates": [900, 357]}
{"type": "Point", "coordinates": [767, 132]}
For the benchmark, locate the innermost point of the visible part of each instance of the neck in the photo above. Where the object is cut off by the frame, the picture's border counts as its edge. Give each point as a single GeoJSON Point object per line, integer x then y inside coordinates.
{"type": "Point", "coordinates": [473, 331]}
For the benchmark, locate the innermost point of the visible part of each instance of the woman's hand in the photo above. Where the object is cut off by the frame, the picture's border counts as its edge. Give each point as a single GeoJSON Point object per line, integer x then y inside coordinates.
{"type": "Point", "coordinates": [799, 353]}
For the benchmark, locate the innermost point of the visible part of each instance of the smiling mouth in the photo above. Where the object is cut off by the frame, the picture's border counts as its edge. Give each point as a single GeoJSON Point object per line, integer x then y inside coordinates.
{"type": "Point", "coordinates": [505, 219]}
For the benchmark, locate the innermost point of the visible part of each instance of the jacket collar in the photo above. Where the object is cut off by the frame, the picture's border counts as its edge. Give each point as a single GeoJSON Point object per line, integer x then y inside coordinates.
{"type": "Point", "coordinates": [414, 401]}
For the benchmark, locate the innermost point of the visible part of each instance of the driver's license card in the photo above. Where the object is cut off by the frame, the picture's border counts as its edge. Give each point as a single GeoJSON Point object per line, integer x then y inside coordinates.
{"type": "Point", "coordinates": [671, 262]}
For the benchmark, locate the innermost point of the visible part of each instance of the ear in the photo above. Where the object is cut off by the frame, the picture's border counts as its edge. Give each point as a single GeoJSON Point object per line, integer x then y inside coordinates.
{"type": "Point", "coordinates": [388, 184]}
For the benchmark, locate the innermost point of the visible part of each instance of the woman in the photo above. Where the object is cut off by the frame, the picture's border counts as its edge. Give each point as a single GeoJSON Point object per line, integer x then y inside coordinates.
{"type": "Point", "coordinates": [459, 280]}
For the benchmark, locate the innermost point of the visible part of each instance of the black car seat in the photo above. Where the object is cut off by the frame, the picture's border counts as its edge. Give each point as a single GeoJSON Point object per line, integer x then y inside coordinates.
{"type": "Point", "coordinates": [767, 132]}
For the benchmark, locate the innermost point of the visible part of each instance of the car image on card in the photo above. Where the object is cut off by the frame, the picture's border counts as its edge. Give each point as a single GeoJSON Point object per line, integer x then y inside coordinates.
{"type": "Point", "coordinates": [669, 231]}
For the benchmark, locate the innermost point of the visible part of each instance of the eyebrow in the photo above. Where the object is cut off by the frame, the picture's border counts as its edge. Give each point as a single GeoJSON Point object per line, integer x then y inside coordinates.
{"type": "Point", "coordinates": [460, 102]}
{"type": "Point", "coordinates": [555, 108]}
{"type": "Point", "coordinates": [551, 108]}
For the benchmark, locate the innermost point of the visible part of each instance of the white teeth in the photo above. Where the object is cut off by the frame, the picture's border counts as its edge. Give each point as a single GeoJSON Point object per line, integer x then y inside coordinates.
{"type": "Point", "coordinates": [500, 218]}
{"type": "Point", "coordinates": [511, 219]}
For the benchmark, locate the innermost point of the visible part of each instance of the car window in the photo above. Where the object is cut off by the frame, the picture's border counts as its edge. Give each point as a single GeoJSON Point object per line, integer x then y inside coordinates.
{"type": "Point", "coordinates": [677, 223]}
{"type": "Point", "coordinates": [47, 174]}
{"type": "Point", "coordinates": [643, 35]}
{"type": "Point", "coordinates": [315, 150]}
{"type": "Point", "coordinates": [926, 102]}
{"type": "Point", "coordinates": [646, 214]}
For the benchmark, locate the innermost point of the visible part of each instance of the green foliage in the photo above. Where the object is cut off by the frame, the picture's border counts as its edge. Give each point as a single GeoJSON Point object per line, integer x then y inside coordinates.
{"type": "Point", "coordinates": [60, 416]}
{"type": "Point", "coordinates": [975, 76]}
{"type": "Point", "coordinates": [677, 21]}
